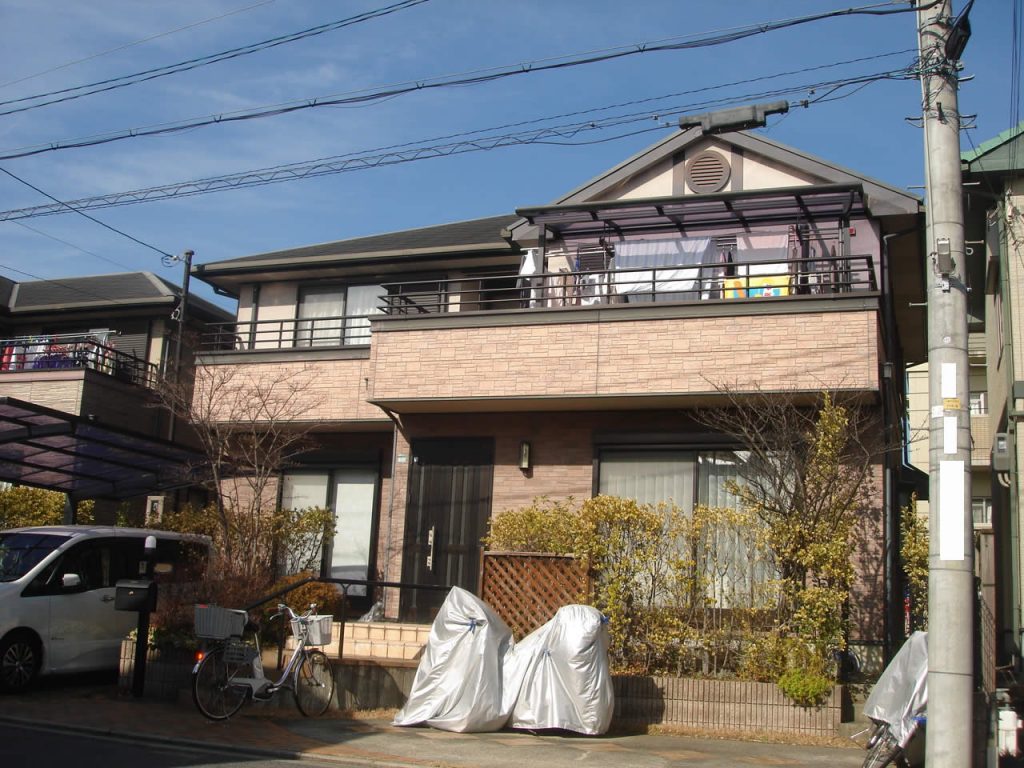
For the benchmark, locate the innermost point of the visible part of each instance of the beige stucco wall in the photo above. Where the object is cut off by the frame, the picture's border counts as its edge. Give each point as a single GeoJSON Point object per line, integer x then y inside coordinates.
{"type": "Point", "coordinates": [642, 357]}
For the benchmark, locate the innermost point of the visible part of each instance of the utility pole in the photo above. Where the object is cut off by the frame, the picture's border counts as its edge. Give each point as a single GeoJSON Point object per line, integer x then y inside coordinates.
{"type": "Point", "coordinates": [179, 315]}
{"type": "Point", "coordinates": [951, 555]}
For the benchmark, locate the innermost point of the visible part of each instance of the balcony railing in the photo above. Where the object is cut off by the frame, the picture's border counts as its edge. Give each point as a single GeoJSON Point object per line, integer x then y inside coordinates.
{"type": "Point", "coordinates": [702, 282]}
{"type": "Point", "coordinates": [62, 351]}
{"type": "Point", "coordinates": [306, 333]}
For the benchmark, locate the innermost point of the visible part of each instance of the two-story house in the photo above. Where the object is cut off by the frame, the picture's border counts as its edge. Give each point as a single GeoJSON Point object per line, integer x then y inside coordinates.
{"type": "Point", "coordinates": [93, 348]}
{"type": "Point", "coordinates": [468, 368]}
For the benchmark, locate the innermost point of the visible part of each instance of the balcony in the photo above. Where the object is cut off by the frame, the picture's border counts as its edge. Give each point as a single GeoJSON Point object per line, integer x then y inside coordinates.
{"type": "Point", "coordinates": [659, 337]}
{"type": "Point", "coordinates": [276, 335]}
{"type": "Point", "coordinates": [24, 354]}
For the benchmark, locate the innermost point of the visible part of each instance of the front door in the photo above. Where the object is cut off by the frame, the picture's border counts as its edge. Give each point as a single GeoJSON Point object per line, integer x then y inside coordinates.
{"type": "Point", "coordinates": [448, 509]}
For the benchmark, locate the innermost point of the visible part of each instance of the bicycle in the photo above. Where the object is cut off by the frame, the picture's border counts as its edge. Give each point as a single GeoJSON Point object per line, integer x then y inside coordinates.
{"type": "Point", "coordinates": [898, 705]}
{"type": "Point", "coordinates": [232, 670]}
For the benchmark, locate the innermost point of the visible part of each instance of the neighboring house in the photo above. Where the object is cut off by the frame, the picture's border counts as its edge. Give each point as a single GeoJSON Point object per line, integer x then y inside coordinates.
{"type": "Point", "coordinates": [94, 347]}
{"type": "Point", "coordinates": [471, 367]}
{"type": "Point", "coordinates": [993, 175]}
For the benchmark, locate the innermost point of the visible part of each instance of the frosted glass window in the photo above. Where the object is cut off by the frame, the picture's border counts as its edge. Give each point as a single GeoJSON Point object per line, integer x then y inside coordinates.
{"type": "Point", "coordinates": [301, 491]}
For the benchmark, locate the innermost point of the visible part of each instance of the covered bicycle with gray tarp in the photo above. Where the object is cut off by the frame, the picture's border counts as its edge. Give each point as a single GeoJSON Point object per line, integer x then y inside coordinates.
{"type": "Point", "coordinates": [898, 703]}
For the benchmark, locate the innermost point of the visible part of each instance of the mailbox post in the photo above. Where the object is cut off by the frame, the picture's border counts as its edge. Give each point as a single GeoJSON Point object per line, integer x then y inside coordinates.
{"type": "Point", "coordinates": [139, 595]}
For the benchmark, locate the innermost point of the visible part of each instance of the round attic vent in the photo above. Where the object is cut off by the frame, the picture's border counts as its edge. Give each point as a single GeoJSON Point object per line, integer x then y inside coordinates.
{"type": "Point", "coordinates": [707, 172]}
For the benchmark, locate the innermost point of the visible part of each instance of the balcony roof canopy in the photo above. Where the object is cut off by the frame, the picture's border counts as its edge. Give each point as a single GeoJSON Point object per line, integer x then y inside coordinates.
{"type": "Point", "coordinates": [692, 213]}
{"type": "Point", "coordinates": [58, 451]}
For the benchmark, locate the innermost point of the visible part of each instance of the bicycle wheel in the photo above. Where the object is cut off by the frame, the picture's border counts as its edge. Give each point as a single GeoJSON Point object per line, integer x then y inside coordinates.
{"type": "Point", "coordinates": [883, 749]}
{"type": "Point", "coordinates": [212, 689]}
{"type": "Point", "coordinates": [314, 684]}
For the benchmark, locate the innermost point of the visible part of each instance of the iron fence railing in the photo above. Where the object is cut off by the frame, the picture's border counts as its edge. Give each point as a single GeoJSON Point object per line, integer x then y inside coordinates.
{"type": "Point", "coordinates": [699, 282]}
{"type": "Point", "coordinates": [55, 351]}
{"type": "Point", "coordinates": [303, 333]}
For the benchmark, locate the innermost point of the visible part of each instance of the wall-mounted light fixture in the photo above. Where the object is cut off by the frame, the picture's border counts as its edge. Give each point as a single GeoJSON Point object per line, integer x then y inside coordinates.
{"type": "Point", "coordinates": [525, 461]}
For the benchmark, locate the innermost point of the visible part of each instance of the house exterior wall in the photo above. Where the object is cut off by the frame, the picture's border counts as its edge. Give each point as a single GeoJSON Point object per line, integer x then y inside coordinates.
{"type": "Point", "coordinates": [334, 389]}
{"type": "Point", "coordinates": [635, 357]}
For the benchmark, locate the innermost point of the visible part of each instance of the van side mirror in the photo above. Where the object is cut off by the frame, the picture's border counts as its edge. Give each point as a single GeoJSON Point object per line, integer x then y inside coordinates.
{"type": "Point", "coordinates": [71, 580]}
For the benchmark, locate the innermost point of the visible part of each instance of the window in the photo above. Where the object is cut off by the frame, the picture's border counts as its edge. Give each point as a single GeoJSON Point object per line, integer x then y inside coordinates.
{"type": "Point", "coordinates": [351, 493]}
{"type": "Point", "coordinates": [981, 511]}
{"type": "Point", "coordinates": [979, 403]}
{"type": "Point", "coordinates": [332, 316]}
{"type": "Point", "coordinates": [686, 478]}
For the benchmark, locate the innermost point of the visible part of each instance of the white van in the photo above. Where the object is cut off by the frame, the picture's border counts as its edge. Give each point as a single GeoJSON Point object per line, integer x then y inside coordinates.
{"type": "Point", "coordinates": [57, 587]}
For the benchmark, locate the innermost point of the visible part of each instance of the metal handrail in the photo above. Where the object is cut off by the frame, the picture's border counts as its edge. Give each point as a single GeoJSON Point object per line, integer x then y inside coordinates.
{"type": "Point", "coordinates": [68, 351]}
{"type": "Point", "coordinates": [345, 583]}
{"type": "Point", "coordinates": [291, 333]}
{"type": "Point", "coordinates": [696, 282]}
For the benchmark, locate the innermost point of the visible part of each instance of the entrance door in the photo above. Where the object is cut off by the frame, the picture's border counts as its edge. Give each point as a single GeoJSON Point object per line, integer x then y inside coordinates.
{"type": "Point", "coordinates": [448, 509]}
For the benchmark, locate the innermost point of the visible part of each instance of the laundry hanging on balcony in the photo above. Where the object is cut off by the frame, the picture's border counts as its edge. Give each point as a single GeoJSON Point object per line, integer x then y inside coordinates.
{"type": "Point", "coordinates": [663, 269]}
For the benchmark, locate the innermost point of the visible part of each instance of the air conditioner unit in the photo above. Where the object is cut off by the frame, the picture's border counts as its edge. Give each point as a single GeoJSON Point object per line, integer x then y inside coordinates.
{"type": "Point", "coordinates": [154, 509]}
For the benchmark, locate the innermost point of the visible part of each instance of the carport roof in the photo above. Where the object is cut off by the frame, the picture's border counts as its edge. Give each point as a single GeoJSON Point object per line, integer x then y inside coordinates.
{"type": "Point", "coordinates": [58, 451]}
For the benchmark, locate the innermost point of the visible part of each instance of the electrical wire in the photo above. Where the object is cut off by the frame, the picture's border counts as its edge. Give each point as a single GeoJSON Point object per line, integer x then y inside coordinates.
{"type": "Point", "coordinates": [76, 247]}
{"type": "Point", "coordinates": [68, 286]}
{"type": "Point", "coordinates": [260, 112]}
{"type": "Point", "coordinates": [83, 213]}
{"type": "Point", "coordinates": [149, 39]}
{"type": "Point", "coordinates": [713, 39]}
{"type": "Point", "coordinates": [471, 141]}
{"type": "Point", "coordinates": [101, 86]}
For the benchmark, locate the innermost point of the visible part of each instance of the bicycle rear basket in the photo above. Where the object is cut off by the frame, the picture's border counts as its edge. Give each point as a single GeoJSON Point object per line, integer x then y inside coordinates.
{"type": "Point", "coordinates": [318, 629]}
{"type": "Point", "coordinates": [218, 623]}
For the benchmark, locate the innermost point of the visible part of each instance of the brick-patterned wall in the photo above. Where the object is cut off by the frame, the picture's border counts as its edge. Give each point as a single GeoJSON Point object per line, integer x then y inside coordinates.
{"type": "Point", "coordinates": [805, 351]}
{"type": "Point", "coordinates": [61, 390]}
{"type": "Point", "coordinates": [336, 390]}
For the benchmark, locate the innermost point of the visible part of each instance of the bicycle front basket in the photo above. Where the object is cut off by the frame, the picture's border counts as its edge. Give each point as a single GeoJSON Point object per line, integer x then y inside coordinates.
{"type": "Point", "coordinates": [238, 652]}
{"type": "Point", "coordinates": [318, 629]}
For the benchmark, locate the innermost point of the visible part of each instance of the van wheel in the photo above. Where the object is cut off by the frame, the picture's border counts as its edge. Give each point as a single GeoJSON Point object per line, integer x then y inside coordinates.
{"type": "Point", "coordinates": [19, 662]}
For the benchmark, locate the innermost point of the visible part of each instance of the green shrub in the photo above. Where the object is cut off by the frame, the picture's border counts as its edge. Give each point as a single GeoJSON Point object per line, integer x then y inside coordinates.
{"type": "Point", "coordinates": [21, 506]}
{"type": "Point", "coordinates": [805, 688]}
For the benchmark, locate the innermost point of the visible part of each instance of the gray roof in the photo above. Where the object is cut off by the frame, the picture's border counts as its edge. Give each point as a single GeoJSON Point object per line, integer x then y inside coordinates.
{"type": "Point", "coordinates": [475, 234]}
{"type": "Point", "coordinates": [126, 290]}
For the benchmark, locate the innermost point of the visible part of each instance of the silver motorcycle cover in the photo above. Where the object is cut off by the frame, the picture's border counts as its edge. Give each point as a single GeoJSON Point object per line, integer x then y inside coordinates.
{"type": "Point", "coordinates": [901, 692]}
{"type": "Point", "coordinates": [458, 684]}
{"type": "Point", "coordinates": [558, 675]}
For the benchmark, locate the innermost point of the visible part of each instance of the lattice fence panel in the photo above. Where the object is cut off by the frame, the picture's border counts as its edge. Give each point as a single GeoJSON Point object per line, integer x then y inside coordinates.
{"type": "Point", "coordinates": [526, 589]}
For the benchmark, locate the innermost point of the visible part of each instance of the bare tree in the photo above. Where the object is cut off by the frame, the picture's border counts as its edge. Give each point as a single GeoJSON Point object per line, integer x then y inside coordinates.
{"type": "Point", "coordinates": [251, 423]}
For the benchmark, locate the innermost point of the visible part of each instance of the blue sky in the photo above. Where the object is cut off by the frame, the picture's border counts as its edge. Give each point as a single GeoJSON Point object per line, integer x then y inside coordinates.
{"type": "Point", "coordinates": [866, 131]}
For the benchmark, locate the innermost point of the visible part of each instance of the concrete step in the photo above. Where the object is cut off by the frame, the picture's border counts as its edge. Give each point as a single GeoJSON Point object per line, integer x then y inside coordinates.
{"type": "Point", "coordinates": [378, 640]}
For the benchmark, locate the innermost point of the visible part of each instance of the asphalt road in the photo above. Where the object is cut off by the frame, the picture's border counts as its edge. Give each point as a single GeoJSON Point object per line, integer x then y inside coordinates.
{"type": "Point", "coordinates": [40, 747]}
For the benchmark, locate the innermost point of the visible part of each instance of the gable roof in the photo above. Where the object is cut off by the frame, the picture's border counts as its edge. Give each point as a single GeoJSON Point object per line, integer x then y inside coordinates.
{"type": "Point", "coordinates": [883, 198]}
{"type": "Point", "coordinates": [125, 290]}
{"type": "Point", "coordinates": [474, 234]}
{"type": "Point", "coordinates": [1004, 152]}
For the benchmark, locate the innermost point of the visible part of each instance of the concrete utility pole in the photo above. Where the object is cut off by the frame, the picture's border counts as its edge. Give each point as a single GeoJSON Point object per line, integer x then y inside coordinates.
{"type": "Point", "coordinates": [951, 555]}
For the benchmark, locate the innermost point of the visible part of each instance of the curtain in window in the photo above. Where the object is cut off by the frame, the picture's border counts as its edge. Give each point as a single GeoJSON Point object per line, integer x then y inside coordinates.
{"type": "Point", "coordinates": [320, 310]}
{"type": "Point", "coordinates": [650, 477]}
{"type": "Point", "coordinates": [363, 300]}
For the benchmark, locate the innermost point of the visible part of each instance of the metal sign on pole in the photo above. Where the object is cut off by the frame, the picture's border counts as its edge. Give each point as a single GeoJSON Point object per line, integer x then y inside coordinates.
{"type": "Point", "coordinates": [951, 554]}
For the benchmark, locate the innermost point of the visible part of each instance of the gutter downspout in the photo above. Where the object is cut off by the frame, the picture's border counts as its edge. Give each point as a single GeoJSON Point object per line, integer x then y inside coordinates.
{"type": "Point", "coordinates": [891, 518]}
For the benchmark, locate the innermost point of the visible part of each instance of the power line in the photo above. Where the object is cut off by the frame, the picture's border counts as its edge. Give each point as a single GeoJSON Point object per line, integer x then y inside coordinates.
{"type": "Point", "coordinates": [470, 141]}
{"type": "Point", "coordinates": [76, 247]}
{"type": "Point", "coordinates": [68, 94]}
{"type": "Point", "coordinates": [82, 213]}
{"type": "Point", "coordinates": [359, 96]}
{"type": "Point", "coordinates": [84, 59]}
{"type": "Point", "coordinates": [719, 38]}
